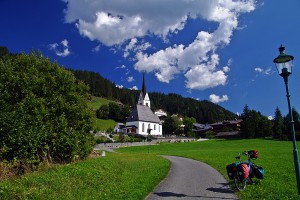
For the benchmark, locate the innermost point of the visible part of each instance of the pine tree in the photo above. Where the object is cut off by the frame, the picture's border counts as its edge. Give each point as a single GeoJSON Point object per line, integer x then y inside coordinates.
{"type": "Point", "coordinates": [278, 125]}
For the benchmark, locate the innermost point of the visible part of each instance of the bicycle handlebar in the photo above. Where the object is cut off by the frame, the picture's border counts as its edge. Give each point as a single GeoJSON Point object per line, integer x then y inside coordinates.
{"type": "Point", "coordinates": [246, 153]}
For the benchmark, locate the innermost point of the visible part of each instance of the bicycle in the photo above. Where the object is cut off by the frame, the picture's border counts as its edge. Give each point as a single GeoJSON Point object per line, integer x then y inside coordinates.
{"type": "Point", "coordinates": [243, 172]}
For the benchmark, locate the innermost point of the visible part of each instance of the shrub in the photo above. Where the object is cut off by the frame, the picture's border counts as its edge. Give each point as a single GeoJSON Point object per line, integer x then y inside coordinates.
{"type": "Point", "coordinates": [44, 115]}
{"type": "Point", "coordinates": [210, 134]}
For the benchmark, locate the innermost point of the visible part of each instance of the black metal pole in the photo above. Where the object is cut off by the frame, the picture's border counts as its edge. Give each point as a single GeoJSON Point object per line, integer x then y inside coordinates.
{"type": "Point", "coordinates": [295, 150]}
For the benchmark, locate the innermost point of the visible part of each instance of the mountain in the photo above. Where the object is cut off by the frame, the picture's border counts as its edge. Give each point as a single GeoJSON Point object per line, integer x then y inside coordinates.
{"type": "Point", "coordinates": [202, 111]}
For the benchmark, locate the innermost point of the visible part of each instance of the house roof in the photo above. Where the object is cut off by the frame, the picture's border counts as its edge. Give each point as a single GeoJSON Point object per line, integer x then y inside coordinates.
{"type": "Point", "coordinates": [226, 134]}
{"type": "Point", "coordinates": [160, 113]}
{"type": "Point", "coordinates": [227, 122]}
{"type": "Point", "coordinates": [142, 113]}
{"type": "Point", "coordinates": [202, 126]}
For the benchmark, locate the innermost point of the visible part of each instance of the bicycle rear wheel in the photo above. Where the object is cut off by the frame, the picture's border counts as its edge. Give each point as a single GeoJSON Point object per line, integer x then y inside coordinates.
{"type": "Point", "coordinates": [239, 184]}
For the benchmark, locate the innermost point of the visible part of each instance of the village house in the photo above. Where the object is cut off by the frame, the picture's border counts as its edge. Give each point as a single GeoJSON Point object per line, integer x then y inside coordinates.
{"type": "Point", "coordinates": [227, 125]}
{"type": "Point", "coordinates": [227, 129]}
{"type": "Point", "coordinates": [201, 128]}
{"type": "Point", "coordinates": [161, 114]}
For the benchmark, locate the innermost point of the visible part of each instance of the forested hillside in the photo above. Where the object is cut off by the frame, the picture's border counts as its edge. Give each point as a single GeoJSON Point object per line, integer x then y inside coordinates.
{"type": "Point", "coordinates": [202, 111]}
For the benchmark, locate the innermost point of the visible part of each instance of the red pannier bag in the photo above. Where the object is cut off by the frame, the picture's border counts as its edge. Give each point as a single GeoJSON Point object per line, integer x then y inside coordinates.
{"type": "Point", "coordinates": [253, 154]}
{"type": "Point", "coordinates": [242, 171]}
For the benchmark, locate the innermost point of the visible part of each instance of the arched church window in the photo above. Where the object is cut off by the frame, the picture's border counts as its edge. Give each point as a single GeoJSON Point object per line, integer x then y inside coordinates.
{"type": "Point", "coordinates": [143, 127]}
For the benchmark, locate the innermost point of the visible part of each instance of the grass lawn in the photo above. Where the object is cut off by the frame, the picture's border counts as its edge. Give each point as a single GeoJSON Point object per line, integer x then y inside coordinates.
{"type": "Point", "coordinates": [116, 176]}
{"type": "Point", "coordinates": [134, 173]}
{"type": "Point", "coordinates": [275, 157]}
{"type": "Point", "coordinates": [96, 102]}
{"type": "Point", "coordinates": [104, 124]}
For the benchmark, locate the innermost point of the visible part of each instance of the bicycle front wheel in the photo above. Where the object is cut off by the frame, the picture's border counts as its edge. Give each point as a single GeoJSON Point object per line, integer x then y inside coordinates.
{"type": "Point", "coordinates": [239, 184]}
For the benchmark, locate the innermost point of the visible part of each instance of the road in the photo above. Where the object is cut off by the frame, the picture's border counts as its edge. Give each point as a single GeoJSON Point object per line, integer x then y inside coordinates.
{"type": "Point", "coordinates": [189, 179]}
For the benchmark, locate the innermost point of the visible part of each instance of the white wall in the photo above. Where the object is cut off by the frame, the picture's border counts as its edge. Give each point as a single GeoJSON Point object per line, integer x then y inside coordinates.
{"type": "Point", "coordinates": [156, 128]}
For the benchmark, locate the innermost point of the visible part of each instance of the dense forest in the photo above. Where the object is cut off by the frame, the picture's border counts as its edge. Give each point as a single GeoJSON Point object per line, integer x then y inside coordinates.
{"type": "Point", "coordinates": [202, 111]}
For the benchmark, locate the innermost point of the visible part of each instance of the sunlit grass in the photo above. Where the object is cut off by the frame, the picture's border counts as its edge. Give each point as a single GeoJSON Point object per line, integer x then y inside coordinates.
{"type": "Point", "coordinates": [116, 176]}
{"type": "Point", "coordinates": [96, 102]}
{"type": "Point", "coordinates": [104, 124]}
{"type": "Point", "coordinates": [134, 173]}
{"type": "Point", "coordinates": [275, 157]}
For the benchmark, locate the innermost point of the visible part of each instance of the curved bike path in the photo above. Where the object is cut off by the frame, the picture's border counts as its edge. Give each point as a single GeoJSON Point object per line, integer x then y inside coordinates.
{"type": "Point", "coordinates": [190, 179]}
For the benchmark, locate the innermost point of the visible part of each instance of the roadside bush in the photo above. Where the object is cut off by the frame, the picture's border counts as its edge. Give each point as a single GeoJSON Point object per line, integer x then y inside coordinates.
{"type": "Point", "coordinates": [210, 134]}
{"type": "Point", "coordinates": [43, 112]}
{"type": "Point", "coordinates": [99, 140]}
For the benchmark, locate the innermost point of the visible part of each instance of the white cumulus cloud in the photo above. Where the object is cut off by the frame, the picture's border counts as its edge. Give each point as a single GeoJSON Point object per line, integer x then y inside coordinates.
{"type": "Point", "coordinates": [270, 117]}
{"type": "Point", "coordinates": [121, 67]}
{"type": "Point", "coordinates": [96, 49]}
{"type": "Point", "coordinates": [119, 86]}
{"type": "Point", "coordinates": [217, 99]}
{"type": "Point", "coordinates": [267, 71]}
{"type": "Point", "coordinates": [130, 79]}
{"type": "Point", "coordinates": [134, 88]}
{"type": "Point", "coordinates": [133, 46]}
{"type": "Point", "coordinates": [60, 49]}
{"type": "Point", "coordinates": [129, 21]}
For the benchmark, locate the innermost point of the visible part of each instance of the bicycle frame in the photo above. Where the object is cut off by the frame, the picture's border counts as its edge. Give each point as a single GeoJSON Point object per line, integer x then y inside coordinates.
{"type": "Point", "coordinates": [241, 184]}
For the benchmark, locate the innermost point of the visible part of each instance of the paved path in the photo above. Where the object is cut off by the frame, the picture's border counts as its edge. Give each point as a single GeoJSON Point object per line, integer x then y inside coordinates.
{"type": "Point", "coordinates": [189, 179]}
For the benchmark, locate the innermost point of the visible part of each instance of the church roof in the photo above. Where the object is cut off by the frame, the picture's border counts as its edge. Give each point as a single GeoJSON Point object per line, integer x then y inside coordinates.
{"type": "Point", "coordinates": [142, 113]}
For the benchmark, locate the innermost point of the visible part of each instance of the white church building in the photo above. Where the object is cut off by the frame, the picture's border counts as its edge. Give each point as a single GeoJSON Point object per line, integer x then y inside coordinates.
{"type": "Point", "coordinates": [142, 120]}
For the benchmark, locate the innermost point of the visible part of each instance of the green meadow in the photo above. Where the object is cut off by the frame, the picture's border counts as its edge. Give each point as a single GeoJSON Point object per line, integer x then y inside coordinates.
{"type": "Point", "coordinates": [96, 102]}
{"type": "Point", "coordinates": [276, 157]}
{"type": "Point", "coordinates": [115, 176]}
{"type": "Point", "coordinates": [101, 124]}
{"type": "Point", "coordinates": [134, 172]}
{"type": "Point", "coordinates": [104, 124]}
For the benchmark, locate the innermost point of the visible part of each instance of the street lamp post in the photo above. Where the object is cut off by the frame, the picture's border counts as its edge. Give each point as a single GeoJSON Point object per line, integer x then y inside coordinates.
{"type": "Point", "coordinates": [284, 65]}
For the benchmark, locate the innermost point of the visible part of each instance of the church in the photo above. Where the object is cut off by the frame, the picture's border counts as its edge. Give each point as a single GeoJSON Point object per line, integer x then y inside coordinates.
{"type": "Point", "coordinates": [142, 120]}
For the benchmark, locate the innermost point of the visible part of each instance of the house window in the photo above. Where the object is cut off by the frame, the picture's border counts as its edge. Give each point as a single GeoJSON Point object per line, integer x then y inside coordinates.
{"type": "Point", "coordinates": [143, 127]}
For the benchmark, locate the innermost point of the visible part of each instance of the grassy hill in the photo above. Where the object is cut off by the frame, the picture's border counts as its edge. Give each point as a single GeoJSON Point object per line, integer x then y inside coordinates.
{"type": "Point", "coordinates": [101, 124]}
{"type": "Point", "coordinates": [97, 102]}
{"type": "Point", "coordinates": [105, 124]}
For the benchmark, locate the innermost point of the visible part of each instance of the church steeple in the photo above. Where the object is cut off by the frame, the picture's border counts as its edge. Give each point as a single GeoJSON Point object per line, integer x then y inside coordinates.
{"type": "Point", "coordinates": [144, 91]}
{"type": "Point", "coordinates": [144, 98]}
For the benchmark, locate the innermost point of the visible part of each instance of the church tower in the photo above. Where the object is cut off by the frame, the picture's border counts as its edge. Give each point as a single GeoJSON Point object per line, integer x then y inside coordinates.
{"type": "Point", "coordinates": [144, 97]}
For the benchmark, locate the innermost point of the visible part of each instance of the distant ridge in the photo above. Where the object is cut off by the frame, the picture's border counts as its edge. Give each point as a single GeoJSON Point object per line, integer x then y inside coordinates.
{"type": "Point", "coordinates": [203, 111]}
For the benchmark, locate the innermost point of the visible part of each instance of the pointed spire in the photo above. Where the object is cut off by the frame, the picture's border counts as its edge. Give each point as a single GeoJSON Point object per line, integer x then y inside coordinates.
{"type": "Point", "coordinates": [144, 91]}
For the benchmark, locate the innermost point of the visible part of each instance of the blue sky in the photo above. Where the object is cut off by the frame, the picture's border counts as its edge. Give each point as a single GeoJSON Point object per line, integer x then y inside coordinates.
{"type": "Point", "coordinates": [218, 50]}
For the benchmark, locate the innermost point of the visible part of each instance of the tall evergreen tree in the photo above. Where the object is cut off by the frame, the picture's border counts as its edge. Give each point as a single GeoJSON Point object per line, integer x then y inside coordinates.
{"type": "Point", "coordinates": [287, 124]}
{"type": "Point", "coordinates": [3, 51]}
{"type": "Point", "coordinates": [296, 119]}
{"type": "Point", "coordinates": [264, 128]}
{"type": "Point", "coordinates": [278, 125]}
{"type": "Point", "coordinates": [246, 118]}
